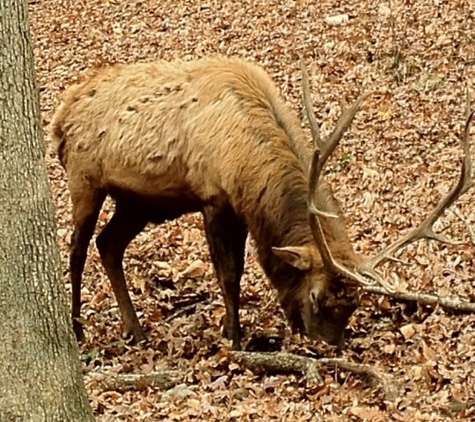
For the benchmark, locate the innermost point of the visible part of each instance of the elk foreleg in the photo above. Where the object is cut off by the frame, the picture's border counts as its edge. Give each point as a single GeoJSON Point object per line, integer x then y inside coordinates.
{"type": "Point", "coordinates": [226, 235]}
{"type": "Point", "coordinates": [86, 207]}
{"type": "Point", "coordinates": [124, 225]}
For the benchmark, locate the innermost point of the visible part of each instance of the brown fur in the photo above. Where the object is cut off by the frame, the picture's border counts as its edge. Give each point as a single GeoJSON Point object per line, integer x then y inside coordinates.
{"type": "Point", "coordinates": [211, 135]}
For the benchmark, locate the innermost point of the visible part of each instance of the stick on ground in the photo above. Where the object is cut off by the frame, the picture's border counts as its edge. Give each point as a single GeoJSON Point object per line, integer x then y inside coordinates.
{"type": "Point", "coordinates": [425, 299]}
{"type": "Point", "coordinates": [282, 362]}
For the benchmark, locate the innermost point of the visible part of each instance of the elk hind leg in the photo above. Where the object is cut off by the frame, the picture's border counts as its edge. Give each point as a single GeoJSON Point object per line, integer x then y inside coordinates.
{"type": "Point", "coordinates": [126, 223]}
{"type": "Point", "coordinates": [86, 203]}
{"type": "Point", "coordinates": [226, 235]}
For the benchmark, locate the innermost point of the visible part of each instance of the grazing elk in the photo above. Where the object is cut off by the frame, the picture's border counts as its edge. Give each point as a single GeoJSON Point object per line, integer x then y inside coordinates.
{"type": "Point", "coordinates": [214, 136]}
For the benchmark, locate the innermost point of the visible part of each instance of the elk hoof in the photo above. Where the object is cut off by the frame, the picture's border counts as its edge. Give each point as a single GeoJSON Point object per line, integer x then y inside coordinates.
{"type": "Point", "coordinates": [136, 336]}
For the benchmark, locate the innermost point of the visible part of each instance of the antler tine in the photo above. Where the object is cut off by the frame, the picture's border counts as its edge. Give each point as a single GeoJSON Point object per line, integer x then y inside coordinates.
{"type": "Point", "coordinates": [315, 171]}
{"type": "Point", "coordinates": [343, 123]}
{"type": "Point", "coordinates": [324, 150]}
{"type": "Point", "coordinates": [307, 103]}
{"type": "Point", "coordinates": [466, 149]}
{"type": "Point", "coordinates": [425, 229]}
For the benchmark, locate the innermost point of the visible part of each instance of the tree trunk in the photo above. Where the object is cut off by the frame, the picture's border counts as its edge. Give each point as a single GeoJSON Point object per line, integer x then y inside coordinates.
{"type": "Point", "coordinates": [40, 373]}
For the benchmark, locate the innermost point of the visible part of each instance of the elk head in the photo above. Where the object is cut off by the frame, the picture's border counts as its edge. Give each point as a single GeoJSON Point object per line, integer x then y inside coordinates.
{"type": "Point", "coordinates": [334, 273]}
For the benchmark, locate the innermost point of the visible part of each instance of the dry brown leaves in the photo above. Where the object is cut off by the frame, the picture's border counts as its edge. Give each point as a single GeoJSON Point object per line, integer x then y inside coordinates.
{"type": "Point", "coordinates": [400, 155]}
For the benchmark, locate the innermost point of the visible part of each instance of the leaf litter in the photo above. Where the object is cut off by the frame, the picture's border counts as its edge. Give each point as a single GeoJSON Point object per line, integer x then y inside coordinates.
{"type": "Point", "coordinates": [398, 158]}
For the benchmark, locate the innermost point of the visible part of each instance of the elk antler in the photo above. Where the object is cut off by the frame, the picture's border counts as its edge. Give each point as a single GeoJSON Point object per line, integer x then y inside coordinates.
{"type": "Point", "coordinates": [366, 273]}
{"type": "Point", "coordinates": [322, 152]}
{"type": "Point", "coordinates": [307, 103]}
{"type": "Point", "coordinates": [426, 228]}
{"type": "Point", "coordinates": [343, 123]}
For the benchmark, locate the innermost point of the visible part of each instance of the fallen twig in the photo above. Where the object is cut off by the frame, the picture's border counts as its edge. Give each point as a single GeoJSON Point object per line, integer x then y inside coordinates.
{"type": "Point", "coordinates": [282, 362]}
{"type": "Point", "coordinates": [163, 380]}
{"type": "Point", "coordinates": [275, 362]}
{"type": "Point", "coordinates": [424, 298]}
{"type": "Point", "coordinates": [183, 311]}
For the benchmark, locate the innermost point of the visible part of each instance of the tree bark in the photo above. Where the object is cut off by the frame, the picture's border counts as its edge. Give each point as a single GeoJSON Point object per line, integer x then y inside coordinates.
{"type": "Point", "coordinates": [40, 373]}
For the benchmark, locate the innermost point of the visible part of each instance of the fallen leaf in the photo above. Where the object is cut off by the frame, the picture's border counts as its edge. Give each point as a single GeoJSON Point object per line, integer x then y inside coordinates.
{"type": "Point", "coordinates": [337, 19]}
{"type": "Point", "coordinates": [195, 270]}
{"type": "Point", "coordinates": [408, 331]}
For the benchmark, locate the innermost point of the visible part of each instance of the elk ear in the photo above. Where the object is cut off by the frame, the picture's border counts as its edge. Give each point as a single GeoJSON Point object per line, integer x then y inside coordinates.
{"type": "Point", "coordinates": [297, 256]}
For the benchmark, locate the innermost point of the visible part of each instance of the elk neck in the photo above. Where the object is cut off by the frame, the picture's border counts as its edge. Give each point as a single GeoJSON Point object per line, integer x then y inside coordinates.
{"type": "Point", "coordinates": [273, 201]}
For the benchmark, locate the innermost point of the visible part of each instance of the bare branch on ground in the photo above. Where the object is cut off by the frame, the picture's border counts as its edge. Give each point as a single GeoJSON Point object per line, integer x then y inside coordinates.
{"type": "Point", "coordinates": [282, 362]}
{"type": "Point", "coordinates": [183, 311]}
{"type": "Point", "coordinates": [425, 299]}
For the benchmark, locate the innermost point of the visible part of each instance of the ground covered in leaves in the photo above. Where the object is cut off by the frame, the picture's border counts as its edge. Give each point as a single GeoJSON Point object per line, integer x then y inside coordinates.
{"type": "Point", "coordinates": [401, 154]}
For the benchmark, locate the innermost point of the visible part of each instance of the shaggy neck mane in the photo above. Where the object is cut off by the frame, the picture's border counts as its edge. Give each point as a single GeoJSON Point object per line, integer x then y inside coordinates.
{"type": "Point", "coordinates": [274, 204]}
{"type": "Point", "coordinates": [279, 225]}
{"type": "Point", "coordinates": [271, 192]}
{"type": "Point", "coordinates": [279, 217]}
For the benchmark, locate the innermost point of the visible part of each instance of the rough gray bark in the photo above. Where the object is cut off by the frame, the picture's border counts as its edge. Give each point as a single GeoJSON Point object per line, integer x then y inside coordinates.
{"type": "Point", "coordinates": [40, 374]}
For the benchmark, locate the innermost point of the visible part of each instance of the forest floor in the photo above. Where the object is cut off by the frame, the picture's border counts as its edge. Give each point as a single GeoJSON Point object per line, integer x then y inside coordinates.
{"type": "Point", "coordinates": [400, 155]}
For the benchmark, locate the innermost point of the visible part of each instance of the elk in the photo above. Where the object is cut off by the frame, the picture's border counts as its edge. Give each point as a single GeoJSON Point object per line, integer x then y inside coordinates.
{"type": "Point", "coordinates": [214, 136]}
